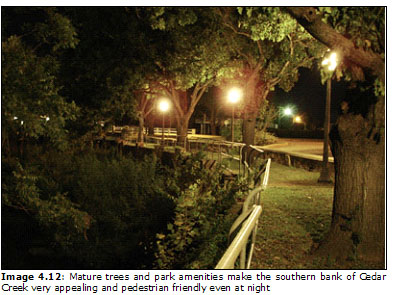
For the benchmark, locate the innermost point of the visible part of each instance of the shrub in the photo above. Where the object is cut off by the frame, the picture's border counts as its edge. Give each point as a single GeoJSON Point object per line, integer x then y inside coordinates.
{"type": "Point", "coordinates": [264, 138]}
{"type": "Point", "coordinates": [127, 200]}
{"type": "Point", "coordinates": [200, 224]}
{"type": "Point", "coordinates": [101, 210]}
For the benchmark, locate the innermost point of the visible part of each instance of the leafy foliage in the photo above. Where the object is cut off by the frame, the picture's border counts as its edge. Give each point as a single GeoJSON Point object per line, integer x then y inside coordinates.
{"type": "Point", "coordinates": [102, 210]}
{"type": "Point", "coordinates": [31, 104]}
{"type": "Point", "coordinates": [130, 206]}
{"type": "Point", "coordinates": [97, 209]}
{"type": "Point", "coordinates": [200, 223]}
{"type": "Point", "coordinates": [55, 211]}
{"type": "Point", "coordinates": [365, 26]}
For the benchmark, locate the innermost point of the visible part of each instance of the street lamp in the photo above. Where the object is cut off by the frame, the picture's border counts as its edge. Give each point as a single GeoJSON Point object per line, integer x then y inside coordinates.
{"type": "Point", "coordinates": [164, 105]}
{"type": "Point", "coordinates": [284, 112]}
{"type": "Point", "coordinates": [234, 95]}
{"type": "Point", "coordinates": [299, 120]}
{"type": "Point", "coordinates": [330, 63]}
{"type": "Point", "coordinates": [288, 111]}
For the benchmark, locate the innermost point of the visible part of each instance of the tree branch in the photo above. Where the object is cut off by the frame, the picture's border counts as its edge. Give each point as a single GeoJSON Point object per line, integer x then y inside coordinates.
{"type": "Point", "coordinates": [312, 22]}
{"type": "Point", "coordinates": [278, 77]}
{"type": "Point", "coordinates": [227, 23]}
{"type": "Point", "coordinates": [260, 48]}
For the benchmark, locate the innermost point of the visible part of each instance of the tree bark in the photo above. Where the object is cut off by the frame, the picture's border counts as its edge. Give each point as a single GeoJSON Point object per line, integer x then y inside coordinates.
{"type": "Point", "coordinates": [358, 217]}
{"type": "Point", "coordinates": [248, 128]}
{"type": "Point", "coordinates": [252, 101]}
{"type": "Point", "coordinates": [182, 128]}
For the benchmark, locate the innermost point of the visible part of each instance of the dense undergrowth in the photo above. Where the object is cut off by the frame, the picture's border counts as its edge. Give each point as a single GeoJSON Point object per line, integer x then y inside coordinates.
{"type": "Point", "coordinates": [98, 209]}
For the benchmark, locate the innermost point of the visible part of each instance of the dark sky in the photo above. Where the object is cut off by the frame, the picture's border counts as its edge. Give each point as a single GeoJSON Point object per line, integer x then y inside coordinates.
{"type": "Point", "coordinates": [309, 96]}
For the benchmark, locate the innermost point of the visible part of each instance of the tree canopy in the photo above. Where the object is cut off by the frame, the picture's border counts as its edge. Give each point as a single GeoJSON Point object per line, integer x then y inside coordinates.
{"type": "Point", "coordinates": [32, 106]}
{"type": "Point", "coordinates": [269, 47]}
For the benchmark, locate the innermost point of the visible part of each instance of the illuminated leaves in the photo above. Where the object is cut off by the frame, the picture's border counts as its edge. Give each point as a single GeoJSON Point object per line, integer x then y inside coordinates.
{"type": "Point", "coordinates": [266, 23]}
{"type": "Point", "coordinates": [365, 26]}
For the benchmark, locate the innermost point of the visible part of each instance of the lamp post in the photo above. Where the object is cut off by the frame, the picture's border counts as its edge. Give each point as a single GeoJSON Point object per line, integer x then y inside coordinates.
{"type": "Point", "coordinates": [330, 63]}
{"type": "Point", "coordinates": [164, 105]}
{"type": "Point", "coordinates": [234, 95]}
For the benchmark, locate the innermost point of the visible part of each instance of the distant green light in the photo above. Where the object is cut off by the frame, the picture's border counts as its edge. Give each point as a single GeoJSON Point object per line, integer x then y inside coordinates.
{"type": "Point", "coordinates": [288, 111]}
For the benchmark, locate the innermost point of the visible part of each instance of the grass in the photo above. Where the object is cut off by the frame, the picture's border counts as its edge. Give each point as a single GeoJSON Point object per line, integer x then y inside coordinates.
{"type": "Point", "coordinates": [296, 216]}
{"type": "Point", "coordinates": [295, 219]}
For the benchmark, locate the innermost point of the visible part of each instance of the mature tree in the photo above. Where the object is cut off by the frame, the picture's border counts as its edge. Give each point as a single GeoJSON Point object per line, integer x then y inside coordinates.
{"type": "Point", "coordinates": [193, 58]}
{"type": "Point", "coordinates": [270, 48]}
{"type": "Point", "coordinates": [357, 34]}
{"type": "Point", "coordinates": [113, 60]}
{"type": "Point", "coordinates": [32, 107]}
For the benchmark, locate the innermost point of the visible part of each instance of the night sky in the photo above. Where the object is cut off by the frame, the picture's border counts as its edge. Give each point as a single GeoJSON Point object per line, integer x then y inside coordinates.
{"type": "Point", "coordinates": [308, 97]}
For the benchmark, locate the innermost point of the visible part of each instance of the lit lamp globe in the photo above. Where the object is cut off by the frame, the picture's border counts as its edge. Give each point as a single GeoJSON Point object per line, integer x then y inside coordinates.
{"type": "Point", "coordinates": [298, 119]}
{"type": "Point", "coordinates": [330, 62]}
{"type": "Point", "coordinates": [288, 111]}
{"type": "Point", "coordinates": [234, 95]}
{"type": "Point", "coordinates": [164, 106]}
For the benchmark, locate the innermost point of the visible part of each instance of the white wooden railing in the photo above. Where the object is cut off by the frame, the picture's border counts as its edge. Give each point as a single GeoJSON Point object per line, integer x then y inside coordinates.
{"type": "Point", "coordinates": [247, 223]}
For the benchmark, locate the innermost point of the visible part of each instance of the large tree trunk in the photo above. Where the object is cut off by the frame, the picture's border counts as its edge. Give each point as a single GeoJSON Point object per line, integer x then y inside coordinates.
{"type": "Point", "coordinates": [248, 128]}
{"type": "Point", "coordinates": [252, 104]}
{"type": "Point", "coordinates": [358, 218]}
{"type": "Point", "coordinates": [255, 92]}
{"type": "Point", "coordinates": [213, 121]}
{"type": "Point", "coordinates": [182, 128]}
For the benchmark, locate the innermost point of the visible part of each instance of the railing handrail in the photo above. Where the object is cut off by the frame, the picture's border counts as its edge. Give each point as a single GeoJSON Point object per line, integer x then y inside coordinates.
{"type": "Point", "coordinates": [237, 245]}
{"type": "Point", "coordinates": [249, 221]}
{"type": "Point", "coordinates": [266, 173]}
{"type": "Point", "coordinates": [251, 198]}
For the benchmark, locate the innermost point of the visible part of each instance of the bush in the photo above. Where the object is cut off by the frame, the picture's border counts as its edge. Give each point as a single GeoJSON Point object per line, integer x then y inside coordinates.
{"type": "Point", "coordinates": [264, 138]}
{"type": "Point", "coordinates": [127, 201]}
{"type": "Point", "coordinates": [197, 236]}
{"type": "Point", "coordinates": [225, 131]}
{"type": "Point", "coordinates": [101, 210]}
{"type": "Point", "coordinates": [97, 209]}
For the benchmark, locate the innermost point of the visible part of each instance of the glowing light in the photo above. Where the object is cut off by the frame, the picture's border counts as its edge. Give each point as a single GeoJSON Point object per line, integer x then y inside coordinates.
{"type": "Point", "coordinates": [288, 111]}
{"type": "Point", "coordinates": [331, 62]}
{"type": "Point", "coordinates": [164, 105]}
{"type": "Point", "coordinates": [234, 95]}
{"type": "Point", "coordinates": [298, 119]}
